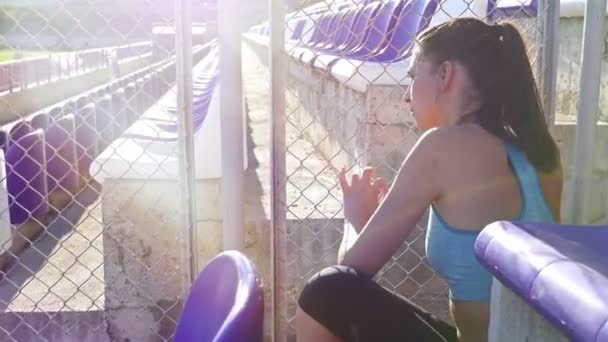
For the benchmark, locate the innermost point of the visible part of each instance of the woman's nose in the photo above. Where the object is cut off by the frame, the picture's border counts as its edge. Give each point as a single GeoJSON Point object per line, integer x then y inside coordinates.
{"type": "Point", "coordinates": [406, 97]}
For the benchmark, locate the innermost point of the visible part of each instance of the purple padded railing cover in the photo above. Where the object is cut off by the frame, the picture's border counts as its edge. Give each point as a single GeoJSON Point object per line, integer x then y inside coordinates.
{"type": "Point", "coordinates": [26, 178]}
{"type": "Point", "coordinates": [225, 303]}
{"type": "Point", "coordinates": [560, 270]}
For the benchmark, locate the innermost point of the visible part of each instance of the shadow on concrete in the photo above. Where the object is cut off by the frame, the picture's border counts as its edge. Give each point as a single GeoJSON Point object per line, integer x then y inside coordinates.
{"type": "Point", "coordinates": [33, 258]}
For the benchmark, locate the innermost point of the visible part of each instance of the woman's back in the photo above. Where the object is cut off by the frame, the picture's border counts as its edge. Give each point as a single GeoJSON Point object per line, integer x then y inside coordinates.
{"type": "Point", "coordinates": [483, 180]}
{"type": "Point", "coordinates": [479, 183]}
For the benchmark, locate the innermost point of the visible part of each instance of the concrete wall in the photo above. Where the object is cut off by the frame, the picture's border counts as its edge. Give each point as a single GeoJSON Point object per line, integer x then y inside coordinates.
{"type": "Point", "coordinates": [143, 244]}
{"type": "Point", "coordinates": [571, 37]}
{"type": "Point", "coordinates": [21, 103]}
{"type": "Point", "coordinates": [514, 320]}
{"type": "Point", "coordinates": [565, 134]}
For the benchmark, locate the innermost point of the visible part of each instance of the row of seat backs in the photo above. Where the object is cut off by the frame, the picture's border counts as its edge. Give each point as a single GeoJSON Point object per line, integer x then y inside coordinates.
{"type": "Point", "coordinates": [48, 149]}
{"type": "Point", "coordinates": [378, 31]}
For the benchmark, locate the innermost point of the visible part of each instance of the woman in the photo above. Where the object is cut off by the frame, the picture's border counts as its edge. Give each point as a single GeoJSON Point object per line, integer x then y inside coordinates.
{"type": "Point", "coordinates": [485, 155]}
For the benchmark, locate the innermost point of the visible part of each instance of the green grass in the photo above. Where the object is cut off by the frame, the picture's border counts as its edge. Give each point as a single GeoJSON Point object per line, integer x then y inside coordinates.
{"type": "Point", "coordinates": [7, 55]}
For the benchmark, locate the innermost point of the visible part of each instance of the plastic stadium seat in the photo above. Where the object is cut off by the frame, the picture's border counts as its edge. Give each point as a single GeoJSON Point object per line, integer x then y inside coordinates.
{"type": "Point", "coordinates": [225, 303]}
{"type": "Point", "coordinates": [61, 162]}
{"type": "Point", "coordinates": [26, 178]}
{"type": "Point", "coordinates": [86, 137]}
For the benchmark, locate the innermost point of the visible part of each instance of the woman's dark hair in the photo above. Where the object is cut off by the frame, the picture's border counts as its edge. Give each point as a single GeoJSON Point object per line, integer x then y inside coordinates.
{"type": "Point", "coordinates": [497, 64]}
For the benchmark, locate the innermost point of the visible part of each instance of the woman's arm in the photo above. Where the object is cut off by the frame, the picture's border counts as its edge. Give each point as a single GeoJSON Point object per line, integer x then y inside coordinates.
{"type": "Point", "coordinates": [349, 237]}
{"type": "Point", "coordinates": [417, 184]}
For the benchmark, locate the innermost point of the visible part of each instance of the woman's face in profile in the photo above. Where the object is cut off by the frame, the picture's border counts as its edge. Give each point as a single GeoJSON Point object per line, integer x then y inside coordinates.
{"type": "Point", "coordinates": [422, 92]}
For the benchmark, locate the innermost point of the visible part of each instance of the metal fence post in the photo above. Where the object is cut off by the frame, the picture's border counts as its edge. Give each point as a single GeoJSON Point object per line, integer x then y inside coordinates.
{"type": "Point", "coordinates": [587, 110]}
{"type": "Point", "coordinates": [278, 75]}
{"type": "Point", "coordinates": [183, 48]}
{"type": "Point", "coordinates": [231, 124]}
{"type": "Point", "coordinates": [549, 57]}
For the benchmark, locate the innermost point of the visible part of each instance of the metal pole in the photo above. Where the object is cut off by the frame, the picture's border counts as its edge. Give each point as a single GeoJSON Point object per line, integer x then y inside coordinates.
{"type": "Point", "coordinates": [278, 74]}
{"type": "Point", "coordinates": [587, 108]}
{"type": "Point", "coordinates": [183, 49]}
{"type": "Point", "coordinates": [549, 57]}
{"type": "Point", "coordinates": [231, 112]}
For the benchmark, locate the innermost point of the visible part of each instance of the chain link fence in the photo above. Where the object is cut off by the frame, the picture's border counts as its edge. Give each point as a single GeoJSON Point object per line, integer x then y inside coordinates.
{"type": "Point", "coordinates": [347, 66]}
{"type": "Point", "coordinates": [90, 216]}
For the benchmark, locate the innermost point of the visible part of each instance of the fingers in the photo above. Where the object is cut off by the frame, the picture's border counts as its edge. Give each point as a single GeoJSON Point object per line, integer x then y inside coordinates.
{"type": "Point", "coordinates": [368, 174]}
{"type": "Point", "coordinates": [343, 182]}
{"type": "Point", "coordinates": [366, 178]}
{"type": "Point", "coordinates": [381, 187]}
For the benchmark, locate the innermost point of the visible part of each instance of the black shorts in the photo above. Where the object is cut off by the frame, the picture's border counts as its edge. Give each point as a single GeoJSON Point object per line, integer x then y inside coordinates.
{"type": "Point", "coordinates": [356, 308]}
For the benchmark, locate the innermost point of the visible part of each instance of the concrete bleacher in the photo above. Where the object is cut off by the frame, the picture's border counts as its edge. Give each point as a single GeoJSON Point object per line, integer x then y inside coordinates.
{"type": "Point", "coordinates": [36, 83]}
{"type": "Point", "coordinates": [344, 94]}
{"type": "Point", "coordinates": [48, 156]}
{"type": "Point", "coordinates": [139, 171]}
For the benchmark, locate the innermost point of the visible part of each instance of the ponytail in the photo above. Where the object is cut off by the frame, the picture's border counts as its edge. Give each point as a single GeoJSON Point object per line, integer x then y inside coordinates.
{"type": "Point", "coordinates": [497, 63]}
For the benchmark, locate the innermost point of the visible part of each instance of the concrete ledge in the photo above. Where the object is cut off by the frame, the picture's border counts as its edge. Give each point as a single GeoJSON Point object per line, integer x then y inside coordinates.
{"type": "Point", "coordinates": [72, 326]}
{"type": "Point", "coordinates": [513, 319]}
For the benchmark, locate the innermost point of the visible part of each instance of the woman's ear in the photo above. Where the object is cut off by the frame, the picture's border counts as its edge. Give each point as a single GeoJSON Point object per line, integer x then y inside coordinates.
{"type": "Point", "coordinates": [445, 74]}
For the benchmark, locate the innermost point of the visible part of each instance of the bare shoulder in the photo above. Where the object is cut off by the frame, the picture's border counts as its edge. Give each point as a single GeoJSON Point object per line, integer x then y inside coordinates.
{"type": "Point", "coordinates": [459, 143]}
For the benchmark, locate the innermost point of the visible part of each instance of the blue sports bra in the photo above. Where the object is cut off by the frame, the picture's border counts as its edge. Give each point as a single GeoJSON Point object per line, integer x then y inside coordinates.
{"type": "Point", "coordinates": [450, 251]}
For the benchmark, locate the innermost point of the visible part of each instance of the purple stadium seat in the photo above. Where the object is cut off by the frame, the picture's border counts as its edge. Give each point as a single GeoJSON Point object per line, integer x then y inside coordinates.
{"type": "Point", "coordinates": [82, 101]}
{"type": "Point", "coordinates": [56, 112]}
{"type": "Point", "coordinates": [157, 85]}
{"type": "Point", "coordinates": [378, 29]}
{"type": "Point", "coordinates": [99, 94]}
{"type": "Point", "coordinates": [104, 122]}
{"type": "Point", "coordinates": [331, 31]}
{"type": "Point", "coordinates": [119, 113]}
{"type": "Point", "coordinates": [148, 91]}
{"type": "Point", "coordinates": [131, 97]}
{"type": "Point", "coordinates": [225, 303]}
{"type": "Point", "coordinates": [414, 17]}
{"type": "Point", "coordinates": [61, 159]}
{"type": "Point", "coordinates": [321, 29]}
{"type": "Point", "coordinates": [19, 130]}
{"type": "Point", "coordinates": [296, 28]}
{"type": "Point", "coordinates": [345, 22]}
{"type": "Point", "coordinates": [533, 260]}
{"type": "Point", "coordinates": [141, 96]}
{"type": "Point", "coordinates": [359, 31]}
{"type": "Point", "coordinates": [3, 139]}
{"type": "Point", "coordinates": [40, 120]}
{"type": "Point", "coordinates": [26, 178]}
{"type": "Point", "coordinates": [86, 137]}
{"type": "Point", "coordinates": [69, 107]}
{"type": "Point", "coordinates": [523, 7]}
